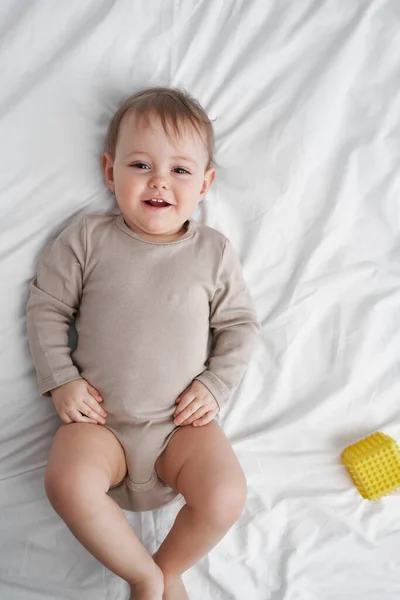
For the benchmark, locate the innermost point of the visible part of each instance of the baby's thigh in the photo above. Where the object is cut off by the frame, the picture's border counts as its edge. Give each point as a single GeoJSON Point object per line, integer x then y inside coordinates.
{"type": "Point", "coordinates": [84, 459]}
{"type": "Point", "coordinates": [200, 464]}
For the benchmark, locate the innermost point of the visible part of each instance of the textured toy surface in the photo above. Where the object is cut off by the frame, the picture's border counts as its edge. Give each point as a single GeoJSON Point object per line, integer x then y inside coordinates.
{"type": "Point", "coordinates": [374, 465]}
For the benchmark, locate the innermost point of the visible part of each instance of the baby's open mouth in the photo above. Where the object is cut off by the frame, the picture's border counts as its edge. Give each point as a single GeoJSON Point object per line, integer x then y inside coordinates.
{"type": "Point", "coordinates": [157, 202]}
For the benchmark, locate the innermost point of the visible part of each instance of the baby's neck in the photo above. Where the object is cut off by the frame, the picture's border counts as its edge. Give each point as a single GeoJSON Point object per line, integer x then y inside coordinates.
{"type": "Point", "coordinates": [158, 238]}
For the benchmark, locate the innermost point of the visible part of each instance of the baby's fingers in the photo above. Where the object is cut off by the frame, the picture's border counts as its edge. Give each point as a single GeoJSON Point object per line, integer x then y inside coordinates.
{"type": "Point", "coordinates": [191, 409]}
{"type": "Point", "coordinates": [201, 412]}
{"type": "Point", "coordinates": [78, 417]}
{"type": "Point", "coordinates": [87, 411]}
{"type": "Point", "coordinates": [210, 416]}
{"type": "Point", "coordinates": [65, 418]}
{"type": "Point", "coordinates": [184, 402]}
{"type": "Point", "coordinates": [93, 405]}
{"type": "Point", "coordinates": [93, 392]}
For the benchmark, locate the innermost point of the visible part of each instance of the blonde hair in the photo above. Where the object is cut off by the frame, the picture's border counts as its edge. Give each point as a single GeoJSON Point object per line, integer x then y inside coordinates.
{"type": "Point", "coordinates": [175, 108]}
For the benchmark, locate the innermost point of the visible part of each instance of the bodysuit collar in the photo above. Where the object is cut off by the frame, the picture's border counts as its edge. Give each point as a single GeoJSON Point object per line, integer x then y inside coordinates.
{"type": "Point", "coordinates": [191, 228]}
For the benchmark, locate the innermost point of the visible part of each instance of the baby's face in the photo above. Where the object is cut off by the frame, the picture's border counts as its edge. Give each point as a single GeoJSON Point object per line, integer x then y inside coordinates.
{"type": "Point", "coordinates": [158, 180]}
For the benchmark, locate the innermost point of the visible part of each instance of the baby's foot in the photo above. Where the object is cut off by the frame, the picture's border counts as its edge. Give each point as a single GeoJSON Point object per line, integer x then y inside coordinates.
{"type": "Point", "coordinates": [174, 590]}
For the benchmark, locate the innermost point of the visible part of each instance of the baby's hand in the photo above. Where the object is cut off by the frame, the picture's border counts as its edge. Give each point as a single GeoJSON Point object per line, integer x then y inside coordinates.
{"type": "Point", "coordinates": [196, 406]}
{"type": "Point", "coordinates": [78, 402]}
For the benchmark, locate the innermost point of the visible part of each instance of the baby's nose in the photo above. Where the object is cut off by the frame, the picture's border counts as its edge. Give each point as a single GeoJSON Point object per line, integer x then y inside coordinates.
{"type": "Point", "coordinates": [160, 182]}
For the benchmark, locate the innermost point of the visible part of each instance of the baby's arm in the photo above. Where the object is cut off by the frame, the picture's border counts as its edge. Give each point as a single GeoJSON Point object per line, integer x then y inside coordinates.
{"type": "Point", "coordinates": [54, 299]}
{"type": "Point", "coordinates": [235, 329]}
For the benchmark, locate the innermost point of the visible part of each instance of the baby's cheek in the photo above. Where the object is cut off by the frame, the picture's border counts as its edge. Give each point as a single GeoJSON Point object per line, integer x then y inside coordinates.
{"type": "Point", "coordinates": [126, 185]}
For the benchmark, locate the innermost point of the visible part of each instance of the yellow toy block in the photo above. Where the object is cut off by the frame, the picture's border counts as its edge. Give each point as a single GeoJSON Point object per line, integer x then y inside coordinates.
{"type": "Point", "coordinates": [374, 465]}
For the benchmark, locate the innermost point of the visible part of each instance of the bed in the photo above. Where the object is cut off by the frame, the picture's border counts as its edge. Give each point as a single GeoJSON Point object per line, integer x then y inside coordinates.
{"type": "Point", "coordinates": [305, 97]}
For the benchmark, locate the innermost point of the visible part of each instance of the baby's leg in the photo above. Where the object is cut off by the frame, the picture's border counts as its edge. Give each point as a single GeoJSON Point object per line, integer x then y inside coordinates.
{"type": "Point", "coordinates": [200, 464]}
{"type": "Point", "coordinates": [85, 460]}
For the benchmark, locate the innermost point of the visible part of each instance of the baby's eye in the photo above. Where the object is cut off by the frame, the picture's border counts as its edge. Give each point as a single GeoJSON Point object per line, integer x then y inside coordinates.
{"type": "Point", "coordinates": [181, 171]}
{"type": "Point", "coordinates": [140, 165]}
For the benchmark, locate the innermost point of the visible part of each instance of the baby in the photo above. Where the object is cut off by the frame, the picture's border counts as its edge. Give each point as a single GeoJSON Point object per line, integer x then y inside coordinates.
{"type": "Point", "coordinates": [165, 328]}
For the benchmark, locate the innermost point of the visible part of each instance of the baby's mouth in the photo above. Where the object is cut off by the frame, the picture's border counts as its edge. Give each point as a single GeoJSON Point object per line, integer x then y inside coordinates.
{"type": "Point", "coordinates": [157, 203]}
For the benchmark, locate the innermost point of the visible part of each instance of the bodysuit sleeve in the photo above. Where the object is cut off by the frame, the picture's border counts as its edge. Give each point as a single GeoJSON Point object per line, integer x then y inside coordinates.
{"type": "Point", "coordinates": [234, 328]}
{"type": "Point", "coordinates": [54, 299]}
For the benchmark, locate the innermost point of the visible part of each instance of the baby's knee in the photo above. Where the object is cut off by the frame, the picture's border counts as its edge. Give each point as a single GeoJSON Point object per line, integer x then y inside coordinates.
{"type": "Point", "coordinates": [226, 503]}
{"type": "Point", "coordinates": [71, 490]}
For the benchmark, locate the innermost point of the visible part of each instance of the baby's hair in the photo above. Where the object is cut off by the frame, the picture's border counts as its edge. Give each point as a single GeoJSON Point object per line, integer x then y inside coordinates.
{"type": "Point", "coordinates": [175, 108]}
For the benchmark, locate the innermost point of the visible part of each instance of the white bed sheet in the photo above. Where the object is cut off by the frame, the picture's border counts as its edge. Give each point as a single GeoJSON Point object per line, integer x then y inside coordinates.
{"type": "Point", "coordinates": [305, 97]}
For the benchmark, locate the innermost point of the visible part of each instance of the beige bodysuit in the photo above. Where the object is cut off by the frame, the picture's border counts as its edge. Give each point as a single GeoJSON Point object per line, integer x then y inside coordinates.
{"type": "Point", "coordinates": [151, 317]}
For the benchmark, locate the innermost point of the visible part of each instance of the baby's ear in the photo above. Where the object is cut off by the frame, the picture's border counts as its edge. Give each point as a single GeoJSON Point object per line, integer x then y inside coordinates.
{"type": "Point", "coordinates": [209, 177]}
{"type": "Point", "coordinates": [107, 166]}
